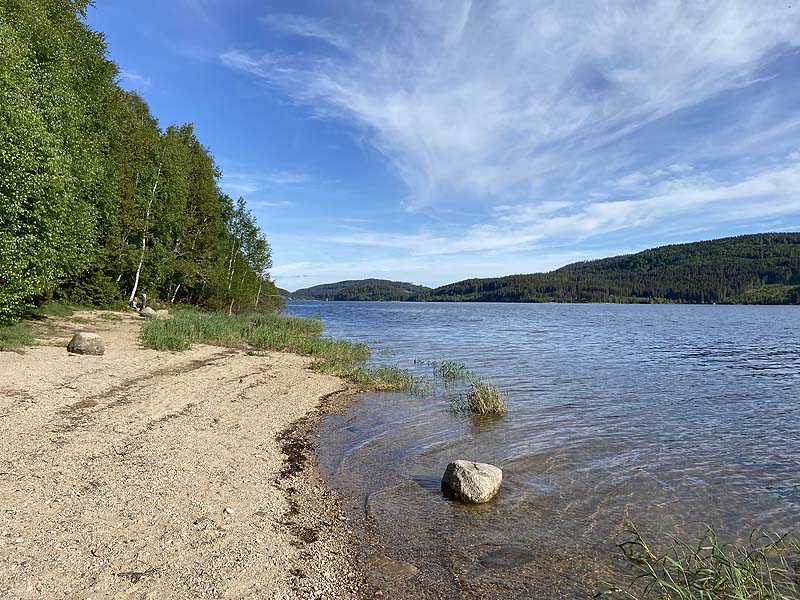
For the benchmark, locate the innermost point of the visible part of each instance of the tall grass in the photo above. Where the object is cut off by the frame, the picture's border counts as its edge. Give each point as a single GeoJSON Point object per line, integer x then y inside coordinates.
{"type": "Point", "coordinates": [15, 336]}
{"type": "Point", "coordinates": [767, 568]}
{"type": "Point", "coordinates": [275, 332]}
{"type": "Point", "coordinates": [56, 309]}
{"type": "Point", "coordinates": [481, 398]}
{"type": "Point", "coordinates": [449, 370]}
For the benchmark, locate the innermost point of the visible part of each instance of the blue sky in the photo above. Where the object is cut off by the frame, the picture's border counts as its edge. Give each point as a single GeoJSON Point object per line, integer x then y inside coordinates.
{"type": "Point", "coordinates": [435, 141]}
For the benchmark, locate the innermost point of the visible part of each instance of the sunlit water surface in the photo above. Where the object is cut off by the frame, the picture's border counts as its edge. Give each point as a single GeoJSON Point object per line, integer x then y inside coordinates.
{"type": "Point", "coordinates": [669, 416]}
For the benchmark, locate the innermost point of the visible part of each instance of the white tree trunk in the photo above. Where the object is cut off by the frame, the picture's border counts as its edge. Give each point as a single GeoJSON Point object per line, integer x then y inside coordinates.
{"type": "Point", "coordinates": [144, 235]}
{"type": "Point", "coordinates": [138, 269]}
{"type": "Point", "coordinates": [231, 265]}
{"type": "Point", "coordinates": [175, 295]}
{"type": "Point", "coordinates": [258, 295]}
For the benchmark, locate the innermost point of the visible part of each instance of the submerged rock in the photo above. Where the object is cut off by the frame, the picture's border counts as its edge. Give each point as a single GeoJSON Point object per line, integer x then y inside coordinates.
{"type": "Point", "coordinates": [148, 313]}
{"type": "Point", "coordinates": [471, 482]}
{"type": "Point", "coordinates": [86, 343]}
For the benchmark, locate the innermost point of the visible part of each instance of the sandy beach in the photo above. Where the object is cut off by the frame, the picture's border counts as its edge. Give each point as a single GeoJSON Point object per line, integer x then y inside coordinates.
{"type": "Point", "coordinates": [146, 474]}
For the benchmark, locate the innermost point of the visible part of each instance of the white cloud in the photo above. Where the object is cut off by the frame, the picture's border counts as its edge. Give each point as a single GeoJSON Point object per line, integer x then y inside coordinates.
{"type": "Point", "coordinates": [246, 183]}
{"type": "Point", "coordinates": [133, 80]}
{"type": "Point", "coordinates": [770, 193]}
{"type": "Point", "coordinates": [269, 203]}
{"type": "Point", "coordinates": [307, 27]}
{"type": "Point", "coordinates": [493, 98]}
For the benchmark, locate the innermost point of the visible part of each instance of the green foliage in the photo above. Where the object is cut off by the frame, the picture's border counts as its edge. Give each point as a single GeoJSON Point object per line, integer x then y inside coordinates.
{"type": "Point", "coordinates": [97, 202]}
{"type": "Point", "coordinates": [258, 332]}
{"type": "Point", "coordinates": [482, 398]}
{"type": "Point", "coordinates": [92, 288]}
{"type": "Point", "coordinates": [449, 370]}
{"type": "Point", "coordinates": [363, 289]}
{"type": "Point", "coordinates": [750, 269]}
{"type": "Point", "coordinates": [765, 569]}
{"type": "Point", "coordinates": [54, 84]}
{"type": "Point", "coordinates": [55, 309]}
{"type": "Point", "coordinates": [15, 336]}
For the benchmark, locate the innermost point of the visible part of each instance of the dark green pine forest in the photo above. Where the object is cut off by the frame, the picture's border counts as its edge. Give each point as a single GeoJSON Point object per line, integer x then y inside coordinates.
{"type": "Point", "coordinates": [98, 202]}
{"type": "Point", "coordinates": [360, 289]}
{"type": "Point", "coordinates": [747, 269]}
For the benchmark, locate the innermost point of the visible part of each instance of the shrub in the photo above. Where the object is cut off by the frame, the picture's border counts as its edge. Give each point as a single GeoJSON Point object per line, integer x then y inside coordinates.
{"type": "Point", "coordinates": [482, 398]}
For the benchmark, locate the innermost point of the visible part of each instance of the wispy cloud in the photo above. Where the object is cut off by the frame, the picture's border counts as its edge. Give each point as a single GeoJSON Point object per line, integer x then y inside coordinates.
{"type": "Point", "coordinates": [269, 203]}
{"type": "Point", "coordinates": [247, 183]}
{"type": "Point", "coordinates": [763, 195]}
{"type": "Point", "coordinates": [131, 79]}
{"type": "Point", "coordinates": [307, 27]}
{"type": "Point", "coordinates": [500, 98]}
{"type": "Point", "coordinates": [525, 130]}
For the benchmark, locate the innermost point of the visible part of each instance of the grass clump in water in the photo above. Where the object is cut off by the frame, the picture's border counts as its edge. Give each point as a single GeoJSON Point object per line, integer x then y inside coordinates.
{"type": "Point", "coordinates": [15, 336]}
{"type": "Point", "coordinates": [449, 370]}
{"type": "Point", "coordinates": [279, 333]}
{"type": "Point", "coordinates": [482, 398]}
{"type": "Point", "coordinates": [767, 568]}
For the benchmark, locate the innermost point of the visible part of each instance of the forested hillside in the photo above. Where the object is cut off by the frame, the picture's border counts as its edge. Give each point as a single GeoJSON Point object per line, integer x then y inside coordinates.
{"type": "Point", "coordinates": [98, 203]}
{"type": "Point", "coordinates": [749, 269]}
{"type": "Point", "coordinates": [361, 289]}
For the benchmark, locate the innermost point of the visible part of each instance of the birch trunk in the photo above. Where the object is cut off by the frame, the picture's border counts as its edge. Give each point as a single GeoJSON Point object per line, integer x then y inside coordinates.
{"type": "Point", "coordinates": [144, 235]}
{"type": "Point", "coordinates": [230, 265]}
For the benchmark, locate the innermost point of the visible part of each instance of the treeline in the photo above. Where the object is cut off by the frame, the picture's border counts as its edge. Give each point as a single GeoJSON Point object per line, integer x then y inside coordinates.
{"type": "Point", "coordinates": [360, 289]}
{"type": "Point", "coordinates": [749, 269]}
{"type": "Point", "coordinates": [98, 203]}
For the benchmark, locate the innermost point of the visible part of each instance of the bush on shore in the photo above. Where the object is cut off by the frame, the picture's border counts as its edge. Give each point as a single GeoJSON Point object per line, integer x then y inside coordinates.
{"type": "Point", "coordinates": [280, 333]}
{"type": "Point", "coordinates": [15, 336]}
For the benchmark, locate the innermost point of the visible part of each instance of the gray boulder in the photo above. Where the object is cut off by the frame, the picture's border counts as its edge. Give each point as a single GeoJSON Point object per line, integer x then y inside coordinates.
{"type": "Point", "coordinates": [162, 314]}
{"type": "Point", "coordinates": [148, 313]}
{"type": "Point", "coordinates": [471, 482]}
{"type": "Point", "coordinates": [86, 343]}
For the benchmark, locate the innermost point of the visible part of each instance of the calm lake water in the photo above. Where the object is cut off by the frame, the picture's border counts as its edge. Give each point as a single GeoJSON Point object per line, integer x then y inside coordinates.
{"type": "Point", "coordinates": [670, 416]}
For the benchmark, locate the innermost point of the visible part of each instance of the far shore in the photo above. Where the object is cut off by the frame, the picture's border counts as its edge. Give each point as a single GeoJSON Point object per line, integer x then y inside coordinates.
{"type": "Point", "coordinates": [151, 474]}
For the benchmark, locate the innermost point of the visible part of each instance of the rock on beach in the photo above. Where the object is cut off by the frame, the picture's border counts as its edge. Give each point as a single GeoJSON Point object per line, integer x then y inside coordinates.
{"type": "Point", "coordinates": [471, 482]}
{"type": "Point", "coordinates": [148, 313]}
{"type": "Point", "coordinates": [86, 343]}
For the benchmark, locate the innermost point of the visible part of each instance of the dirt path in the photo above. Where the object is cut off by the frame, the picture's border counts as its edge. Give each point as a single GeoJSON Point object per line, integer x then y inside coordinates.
{"type": "Point", "coordinates": [144, 474]}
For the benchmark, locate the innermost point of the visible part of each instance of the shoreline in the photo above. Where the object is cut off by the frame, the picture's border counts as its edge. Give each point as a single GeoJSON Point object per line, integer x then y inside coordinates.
{"type": "Point", "coordinates": [166, 474]}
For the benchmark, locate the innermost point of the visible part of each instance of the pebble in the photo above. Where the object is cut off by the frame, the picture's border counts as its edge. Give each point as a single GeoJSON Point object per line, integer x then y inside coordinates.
{"type": "Point", "coordinates": [228, 510]}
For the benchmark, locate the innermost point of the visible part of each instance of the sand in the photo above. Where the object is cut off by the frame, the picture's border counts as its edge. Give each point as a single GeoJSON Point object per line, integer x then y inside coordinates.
{"type": "Point", "coordinates": [146, 474]}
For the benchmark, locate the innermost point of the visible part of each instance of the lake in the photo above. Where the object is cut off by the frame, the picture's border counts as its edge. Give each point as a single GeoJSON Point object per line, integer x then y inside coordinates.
{"type": "Point", "coordinates": [668, 416]}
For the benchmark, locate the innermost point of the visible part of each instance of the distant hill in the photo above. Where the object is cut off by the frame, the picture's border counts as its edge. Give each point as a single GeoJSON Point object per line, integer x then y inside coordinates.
{"type": "Point", "coordinates": [284, 293]}
{"type": "Point", "coordinates": [748, 269]}
{"type": "Point", "coordinates": [360, 289]}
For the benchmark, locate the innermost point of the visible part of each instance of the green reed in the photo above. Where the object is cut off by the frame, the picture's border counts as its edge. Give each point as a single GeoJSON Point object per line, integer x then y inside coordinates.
{"type": "Point", "coordinates": [259, 332]}
{"type": "Point", "coordinates": [766, 568]}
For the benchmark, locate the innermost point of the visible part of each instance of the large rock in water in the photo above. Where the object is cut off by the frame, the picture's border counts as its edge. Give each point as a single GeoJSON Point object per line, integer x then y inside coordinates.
{"type": "Point", "coordinates": [86, 343]}
{"type": "Point", "coordinates": [471, 482]}
{"type": "Point", "coordinates": [148, 313]}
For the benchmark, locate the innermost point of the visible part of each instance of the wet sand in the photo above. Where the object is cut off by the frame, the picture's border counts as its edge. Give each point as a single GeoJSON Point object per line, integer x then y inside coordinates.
{"type": "Point", "coordinates": [146, 474]}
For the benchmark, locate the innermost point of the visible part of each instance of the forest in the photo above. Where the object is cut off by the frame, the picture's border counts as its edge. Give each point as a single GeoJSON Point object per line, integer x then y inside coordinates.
{"type": "Point", "coordinates": [747, 269]}
{"type": "Point", "coordinates": [360, 289]}
{"type": "Point", "coordinates": [99, 203]}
